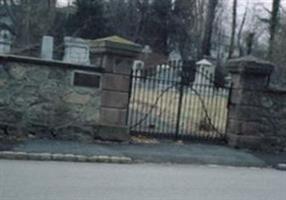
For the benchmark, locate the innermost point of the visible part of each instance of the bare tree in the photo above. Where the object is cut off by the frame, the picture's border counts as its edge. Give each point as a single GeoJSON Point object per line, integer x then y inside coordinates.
{"type": "Point", "coordinates": [30, 19]}
{"type": "Point", "coordinates": [249, 42]}
{"type": "Point", "coordinates": [239, 35]}
{"type": "Point", "coordinates": [187, 25]}
{"type": "Point", "coordinates": [274, 20]}
{"type": "Point", "coordinates": [233, 28]}
{"type": "Point", "coordinates": [207, 38]}
{"type": "Point", "coordinates": [279, 54]}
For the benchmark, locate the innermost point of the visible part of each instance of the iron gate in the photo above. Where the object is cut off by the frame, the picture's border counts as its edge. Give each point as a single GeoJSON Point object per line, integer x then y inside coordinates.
{"type": "Point", "coordinates": [178, 101]}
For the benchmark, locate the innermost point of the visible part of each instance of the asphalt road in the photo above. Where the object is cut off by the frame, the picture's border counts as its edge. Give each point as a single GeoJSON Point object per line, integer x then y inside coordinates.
{"type": "Point", "coordinates": [29, 180]}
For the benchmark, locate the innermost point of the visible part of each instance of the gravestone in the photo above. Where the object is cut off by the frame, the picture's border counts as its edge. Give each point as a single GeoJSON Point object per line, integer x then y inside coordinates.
{"type": "Point", "coordinates": [76, 51]}
{"type": "Point", "coordinates": [5, 42]}
{"type": "Point", "coordinates": [47, 48]}
{"type": "Point", "coordinates": [205, 73]}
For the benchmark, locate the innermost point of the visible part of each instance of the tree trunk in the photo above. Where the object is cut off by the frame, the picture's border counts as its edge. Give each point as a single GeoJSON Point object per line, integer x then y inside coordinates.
{"type": "Point", "coordinates": [273, 27]}
{"type": "Point", "coordinates": [233, 29]}
{"type": "Point", "coordinates": [240, 32]}
{"type": "Point", "coordinates": [206, 43]}
{"type": "Point", "coordinates": [249, 42]}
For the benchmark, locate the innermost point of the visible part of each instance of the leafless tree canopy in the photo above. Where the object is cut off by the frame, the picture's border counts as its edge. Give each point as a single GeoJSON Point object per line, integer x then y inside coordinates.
{"type": "Point", "coordinates": [193, 28]}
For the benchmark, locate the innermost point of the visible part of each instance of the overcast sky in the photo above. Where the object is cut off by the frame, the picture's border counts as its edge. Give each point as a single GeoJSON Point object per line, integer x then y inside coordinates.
{"type": "Point", "coordinates": [64, 2]}
{"type": "Point", "coordinates": [242, 3]}
{"type": "Point", "coordinates": [258, 4]}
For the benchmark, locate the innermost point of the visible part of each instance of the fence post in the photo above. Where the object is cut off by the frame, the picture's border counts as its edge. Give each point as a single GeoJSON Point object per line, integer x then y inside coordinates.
{"type": "Point", "coordinates": [116, 55]}
{"type": "Point", "coordinates": [179, 112]}
{"type": "Point", "coordinates": [250, 78]}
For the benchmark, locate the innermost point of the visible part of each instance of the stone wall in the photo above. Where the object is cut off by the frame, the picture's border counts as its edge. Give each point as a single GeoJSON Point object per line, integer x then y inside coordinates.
{"type": "Point", "coordinates": [68, 99]}
{"type": "Point", "coordinates": [257, 113]}
{"type": "Point", "coordinates": [41, 100]}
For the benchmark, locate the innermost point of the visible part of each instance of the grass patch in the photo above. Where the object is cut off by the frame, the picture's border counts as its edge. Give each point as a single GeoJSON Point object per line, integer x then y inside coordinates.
{"type": "Point", "coordinates": [200, 114]}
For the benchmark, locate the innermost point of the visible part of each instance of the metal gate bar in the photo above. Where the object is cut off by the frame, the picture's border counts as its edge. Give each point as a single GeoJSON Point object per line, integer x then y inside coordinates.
{"type": "Point", "coordinates": [167, 101]}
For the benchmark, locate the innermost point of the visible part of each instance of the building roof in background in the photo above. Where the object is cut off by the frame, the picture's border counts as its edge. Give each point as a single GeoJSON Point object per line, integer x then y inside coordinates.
{"type": "Point", "coordinates": [114, 38]}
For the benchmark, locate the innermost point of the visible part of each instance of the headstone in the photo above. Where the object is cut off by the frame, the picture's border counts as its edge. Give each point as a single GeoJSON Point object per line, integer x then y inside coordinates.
{"type": "Point", "coordinates": [47, 48]}
{"type": "Point", "coordinates": [5, 42]}
{"type": "Point", "coordinates": [228, 80]}
{"type": "Point", "coordinates": [147, 50]}
{"type": "Point", "coordinates": [138, 67]}
{"type": "Point", "coordinates": [204, 77]}
{"type": "Point", "coordinates": [205, 72]}
{"type": "Point", "coordinates": [175, 56]}
{"type": "Point", "coordinates": [76, 51]}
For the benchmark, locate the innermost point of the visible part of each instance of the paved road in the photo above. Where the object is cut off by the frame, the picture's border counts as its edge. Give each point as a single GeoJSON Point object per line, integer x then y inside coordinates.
{"type": "Point", "coordinates": [28, 180]}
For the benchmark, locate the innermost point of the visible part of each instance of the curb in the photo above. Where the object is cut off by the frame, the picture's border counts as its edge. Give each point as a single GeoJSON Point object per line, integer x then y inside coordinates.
{"type": "Point", "coordinates": [12, 155]}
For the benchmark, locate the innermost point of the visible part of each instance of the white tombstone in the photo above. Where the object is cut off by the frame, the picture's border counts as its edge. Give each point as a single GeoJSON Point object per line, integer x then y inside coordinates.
{"type": "Point", "coordinates": [47, 48]}
{"type": "Point", "coordinates": [175, 56]}
{"type": "Point", "coordinates": [228, 80]}
{"type": "Point", "coordinates": [137, 67]}
{"type": "Point", "coordinates": [147, 49]}
{"type": "Point", "coordinates": [205, 73]}
{"type": "Point", "coordinates": [5, 42]}
{"type": "Point", "coordinates": [76, 51]}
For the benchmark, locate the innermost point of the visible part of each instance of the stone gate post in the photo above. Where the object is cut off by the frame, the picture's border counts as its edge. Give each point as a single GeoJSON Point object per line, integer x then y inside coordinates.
{"type": "Point", "coordinates": [248, 113]}
{"type": "Point", "coordinates": [116, 55]}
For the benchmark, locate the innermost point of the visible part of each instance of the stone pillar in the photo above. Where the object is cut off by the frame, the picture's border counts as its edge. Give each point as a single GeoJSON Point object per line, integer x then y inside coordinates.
{"type": "Point", "coordinates": [250, 79]}
{"type": "Point", "coordinates": [116, 55]}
